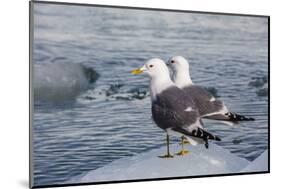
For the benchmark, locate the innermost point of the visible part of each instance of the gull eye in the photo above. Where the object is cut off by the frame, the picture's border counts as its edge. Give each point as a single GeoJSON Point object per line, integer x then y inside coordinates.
{"type": "Point", "coordinates": [150, 66]}
{"type": "Point", "coordinates": [172, 61]}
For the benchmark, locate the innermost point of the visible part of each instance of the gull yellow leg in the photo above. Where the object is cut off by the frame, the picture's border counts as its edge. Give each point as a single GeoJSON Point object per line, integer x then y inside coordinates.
{"type": "Point", "coordinates": [184, 140]}
{"type": "Point", "coordinates": [168, 155]}
{"type": "Point", "coordinates": [183, 152]}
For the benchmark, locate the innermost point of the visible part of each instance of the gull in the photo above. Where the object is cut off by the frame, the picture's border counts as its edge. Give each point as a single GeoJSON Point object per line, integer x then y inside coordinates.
{"type": "Point", "coordinates": [171, 110]}
{"type": "Point", "coordinates": [208, 106]}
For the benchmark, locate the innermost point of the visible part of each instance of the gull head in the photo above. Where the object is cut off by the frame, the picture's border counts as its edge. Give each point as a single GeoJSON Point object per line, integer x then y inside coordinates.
{"type": "Point", "coordinates": [154, 68]}
{"type": "Point", "coordinates": [178, 63]}
{"type": "Point", "coordinates": [180, 67]}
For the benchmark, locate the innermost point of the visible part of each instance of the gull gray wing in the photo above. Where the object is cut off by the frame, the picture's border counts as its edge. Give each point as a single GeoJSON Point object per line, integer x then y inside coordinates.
{"type": "Point", "coordinates": [168, 109]}
{"type": "Point", "coordinates": [211, 108]}
{"type": "Point", "coordinates": [171, 110]}
{"type": "Point", "coordinates": [207, 104]}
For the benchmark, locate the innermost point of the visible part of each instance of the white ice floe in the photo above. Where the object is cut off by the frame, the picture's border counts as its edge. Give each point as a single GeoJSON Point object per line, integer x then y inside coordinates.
{"type": "Point", "coordinates": [259, 164]}
{"type": "Point", "coordinates": [60, 81]}
{"type": "Point", "coordinates": [200, 161]}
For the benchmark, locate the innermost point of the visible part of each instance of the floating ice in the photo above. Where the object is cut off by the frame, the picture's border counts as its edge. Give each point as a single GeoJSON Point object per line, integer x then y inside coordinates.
{"type": "Point", "coordinates": [200, 161]}
{"type": "Point", "coordinates": [56, 82]}
{"type": "Point", "coordinates": [259, 164]}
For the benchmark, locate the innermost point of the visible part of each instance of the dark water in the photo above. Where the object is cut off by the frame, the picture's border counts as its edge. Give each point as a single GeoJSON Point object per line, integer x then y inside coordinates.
{"type": "Point", "coordinates": [111, 118]}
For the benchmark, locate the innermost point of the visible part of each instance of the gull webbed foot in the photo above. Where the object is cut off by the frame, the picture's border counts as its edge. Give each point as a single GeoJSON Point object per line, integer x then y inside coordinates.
{"type": "Point", "coordinates": [182, 152]}
{"type": "Point", "coordinates": [166, 156]}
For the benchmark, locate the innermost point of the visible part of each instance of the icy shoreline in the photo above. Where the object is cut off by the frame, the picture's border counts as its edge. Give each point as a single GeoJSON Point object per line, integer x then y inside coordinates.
{"type": "Point", "coordinates": [199, 161]}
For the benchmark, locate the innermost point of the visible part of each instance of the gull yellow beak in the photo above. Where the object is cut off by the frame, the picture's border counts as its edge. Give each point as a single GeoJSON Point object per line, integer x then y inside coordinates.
{"type": "Point", "coordinates": [138, 71]}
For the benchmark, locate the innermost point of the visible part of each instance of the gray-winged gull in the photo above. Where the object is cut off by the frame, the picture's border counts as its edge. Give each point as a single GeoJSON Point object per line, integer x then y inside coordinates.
{"type": "Point", "coordinates": [209, 107]}
{"type": "Point", "coordinates": [172, 111]}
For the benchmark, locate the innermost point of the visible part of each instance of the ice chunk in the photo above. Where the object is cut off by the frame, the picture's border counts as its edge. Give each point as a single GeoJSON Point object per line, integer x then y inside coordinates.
{"type": "Point", "coordinates": [55, 82]}
{"type": "Point", "coordinates": [259, 164]}
{"type": "Point", "coordinates": [200, 161]}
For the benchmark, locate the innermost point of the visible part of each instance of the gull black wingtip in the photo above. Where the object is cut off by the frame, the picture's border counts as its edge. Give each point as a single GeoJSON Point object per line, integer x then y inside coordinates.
{"type": "Point", "coordinates": [217, 138]}
{"type": "Point", "coordinates": [237, 117]}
